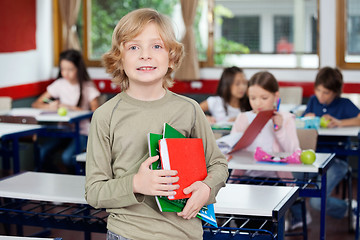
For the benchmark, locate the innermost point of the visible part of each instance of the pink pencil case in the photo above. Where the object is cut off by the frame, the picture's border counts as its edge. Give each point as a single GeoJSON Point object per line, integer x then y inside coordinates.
{"type": "Point", "coordinates": [262, 156]}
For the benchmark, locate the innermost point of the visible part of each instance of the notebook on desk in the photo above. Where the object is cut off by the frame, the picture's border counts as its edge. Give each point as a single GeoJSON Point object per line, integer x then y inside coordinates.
{"type": "Point", "coordinates": [236, 141]}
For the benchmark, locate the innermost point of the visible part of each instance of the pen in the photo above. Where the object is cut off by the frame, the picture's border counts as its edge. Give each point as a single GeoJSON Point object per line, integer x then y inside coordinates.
{"type": "Point", "coordinates": [277, 109]}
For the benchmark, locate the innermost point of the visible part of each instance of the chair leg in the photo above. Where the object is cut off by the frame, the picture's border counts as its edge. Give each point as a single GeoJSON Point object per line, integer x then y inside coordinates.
{"type": "Point", "coordinates": [303, 211]}
{"type": "Point", "coordinates": [350, 197]}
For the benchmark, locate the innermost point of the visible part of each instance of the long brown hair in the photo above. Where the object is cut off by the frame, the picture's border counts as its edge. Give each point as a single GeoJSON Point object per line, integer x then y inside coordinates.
{"type": "Point", "coordinates": [76, 58]}
{"type": "Point", "coordinates": [265, 80]}
{"type": "Point", "coordinates": [224, 88]}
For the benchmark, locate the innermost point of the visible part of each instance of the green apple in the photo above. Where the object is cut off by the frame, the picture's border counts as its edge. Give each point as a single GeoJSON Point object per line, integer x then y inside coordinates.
{"type": "Point", "coordinates": [307, 156]}
{"type": "Point", "coordinates": [324, 122]}
{"type": "Point", "coordinates": [62, 111]}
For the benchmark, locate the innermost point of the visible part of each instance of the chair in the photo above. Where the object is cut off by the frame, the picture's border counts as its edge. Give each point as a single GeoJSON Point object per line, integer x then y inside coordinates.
{"type": "Point", "coordinates": [307, 138]}
{"type": "Point", "coordinates": [291, 95]}
{"type": "Point", "coordinates": [5, 103]}
{"type": "Point", "coordinates": [354, 97]}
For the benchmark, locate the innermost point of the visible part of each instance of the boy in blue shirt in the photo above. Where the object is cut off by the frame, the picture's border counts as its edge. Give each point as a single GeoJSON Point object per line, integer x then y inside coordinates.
{"type": "Point", "coordinates": [327, 101]}
{"type": "Point", "coordinates": [340, 112]}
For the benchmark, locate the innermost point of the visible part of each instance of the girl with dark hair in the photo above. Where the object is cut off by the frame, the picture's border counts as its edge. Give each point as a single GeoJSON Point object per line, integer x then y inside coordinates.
{"type": "Point", "coordinates": [230, 97]}
{"type": "Point", "coordinates": [74, 91]}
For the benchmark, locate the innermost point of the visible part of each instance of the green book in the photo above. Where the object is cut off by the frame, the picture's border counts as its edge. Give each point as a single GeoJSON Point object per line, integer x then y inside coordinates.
{"type": "Point", "coordinates": [206, 213]}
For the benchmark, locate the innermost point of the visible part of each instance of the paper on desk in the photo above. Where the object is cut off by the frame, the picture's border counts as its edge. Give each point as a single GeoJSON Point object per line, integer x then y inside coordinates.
{"type": "Point", "coordinates": [227, 142]}
{"type": "Point", "coordinates": [32, 112]}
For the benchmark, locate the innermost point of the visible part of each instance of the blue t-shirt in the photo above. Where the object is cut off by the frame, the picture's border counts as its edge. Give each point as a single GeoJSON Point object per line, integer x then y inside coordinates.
{"type": "Point", "coordinates": [340, 108]}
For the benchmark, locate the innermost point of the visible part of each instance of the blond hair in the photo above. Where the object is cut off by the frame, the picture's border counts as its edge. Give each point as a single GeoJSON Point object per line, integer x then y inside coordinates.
{"type": "Point", "coordinates": [130, 26]}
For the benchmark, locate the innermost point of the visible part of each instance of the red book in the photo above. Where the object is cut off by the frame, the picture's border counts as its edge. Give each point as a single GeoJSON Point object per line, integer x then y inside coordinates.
{"type": "Point", "coordinates": [253, 130]}
{"type": "Point", "coordinates": [186, 155]}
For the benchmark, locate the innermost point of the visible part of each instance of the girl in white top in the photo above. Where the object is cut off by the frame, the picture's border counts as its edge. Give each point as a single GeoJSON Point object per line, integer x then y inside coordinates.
{"type": "Point", "coordinates": [263, 94]}
{"type": "Point", "coordinates": [230, 97]}
{"type": "Point", "coordinates": [75, 91]}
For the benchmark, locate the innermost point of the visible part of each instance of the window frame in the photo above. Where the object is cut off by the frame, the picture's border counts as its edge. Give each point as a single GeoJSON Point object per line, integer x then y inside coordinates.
{"type": "Point", "coordinates": [341, 26]}
{"type": "Point", "coordinates": [86, 11]}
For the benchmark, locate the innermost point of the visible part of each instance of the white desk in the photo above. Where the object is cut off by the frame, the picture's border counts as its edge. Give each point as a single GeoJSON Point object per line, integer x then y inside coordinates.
{"type": "Point", "coordinates": [353, 132]}
{"type": "Point", "coordinates": [293, 108]}
{"type": "Point", "coordinates": [242, 199]}
{"type": "Point", "coordinates": [48, 116]}
{"type": "Point", "coordinates": [233, 199]}
{"type": "Point", "coordinates": [7, 129]}
{"type": "Point", "coordinates": [45, 117]}
{"type": "Point", "coordinates": [10, 132]}
{"type": "Point", "coordinates": [245, 161]}
{"type": "Point", "coordinates": [342, 131]}
{"type": "Point", "coordinates": [44, 187]}
{"type": "Point", "coordinates": [2, 237]}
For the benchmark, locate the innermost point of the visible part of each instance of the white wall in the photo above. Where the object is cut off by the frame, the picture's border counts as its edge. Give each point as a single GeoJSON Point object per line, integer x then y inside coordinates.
{"type": "Point", "coordinates": [37, 65]}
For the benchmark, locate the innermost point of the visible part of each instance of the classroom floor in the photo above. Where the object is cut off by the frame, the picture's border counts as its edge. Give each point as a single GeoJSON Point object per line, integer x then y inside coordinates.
{"type": "Point", "coordinates": [335, 229]}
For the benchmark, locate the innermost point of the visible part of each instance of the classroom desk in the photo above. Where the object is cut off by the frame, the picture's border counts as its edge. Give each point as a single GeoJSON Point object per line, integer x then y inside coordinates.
{"type": "Point", "coordinates": [293, 108]}
{"type": "Point", "coordinates": [352, 150]}
{"type": "Point", "coordinates": [244, 160]}
{"type": "Point", "coordinates": [10, 133]}
{"type": "Point", "coordinates": [2, 237]}
{"type": "Point", "coordinates": [62, 188]}
{"type": "Point", "coordinates": [49, 118]}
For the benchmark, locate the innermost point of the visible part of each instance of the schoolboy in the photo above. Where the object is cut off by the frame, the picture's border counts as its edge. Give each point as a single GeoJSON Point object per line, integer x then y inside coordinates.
{"type": "Point", "coordinates": [340, 112]}
{"type": "Point", "coordinates": [144, 53]}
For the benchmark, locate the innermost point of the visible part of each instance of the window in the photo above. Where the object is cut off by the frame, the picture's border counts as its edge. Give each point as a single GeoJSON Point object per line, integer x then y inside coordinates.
{"type": "Point", "coordinates": [348, 34]}
{"type": "Point", "coordinates": [244, 33]}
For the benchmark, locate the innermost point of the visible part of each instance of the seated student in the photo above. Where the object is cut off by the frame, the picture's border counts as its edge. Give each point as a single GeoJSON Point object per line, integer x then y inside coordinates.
{"type": "Point", "coordinates": [75, 91]}
{"type": "Point", "coordinates": [263, 94]}
{"type": "Point", "coordinates": [340, 112]}
{"type": "Point", "coordinates": [230, 99]}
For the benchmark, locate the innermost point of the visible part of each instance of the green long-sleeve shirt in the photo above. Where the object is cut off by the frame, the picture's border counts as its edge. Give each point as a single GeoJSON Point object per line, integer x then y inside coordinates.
{"type": "Point", "coordinates": [117, 146]}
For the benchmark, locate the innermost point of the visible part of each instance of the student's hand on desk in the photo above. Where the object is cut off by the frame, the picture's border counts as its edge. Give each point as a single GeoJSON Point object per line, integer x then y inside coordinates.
{"type": "Point", "coordinates": [72, 108]}
{"type": "Point", "coordinates": [53, 105]}
{"type": "Point", "coordinates": [334, 122]}
{"type": "Point", "coordinates": [154, 182]}
{"type": "Point", "coordinates": [200, 195]}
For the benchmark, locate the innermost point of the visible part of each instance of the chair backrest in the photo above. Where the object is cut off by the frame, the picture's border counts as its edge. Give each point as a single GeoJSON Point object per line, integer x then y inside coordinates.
{"type": "Point", "coordinates": [5, 103]}
{"type": "Point", "coordinates": [354, 97]}
{"type": "Point", "coordinates": [291, 95]}
{"type": "Point", "coordinates": [307, 138]}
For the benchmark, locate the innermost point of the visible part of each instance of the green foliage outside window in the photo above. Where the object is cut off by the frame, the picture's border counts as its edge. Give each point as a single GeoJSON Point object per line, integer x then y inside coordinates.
{"type": "Point", "coordinates": [106, 14]}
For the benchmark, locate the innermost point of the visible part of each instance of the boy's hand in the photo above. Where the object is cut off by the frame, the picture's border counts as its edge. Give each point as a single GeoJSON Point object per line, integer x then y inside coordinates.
{"type": "Point", "coordinates": [334, 122]}
{"type": "Point", "coordinates": [154, 182]}
{"type": "Point", "coordinates": [200, 195]}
